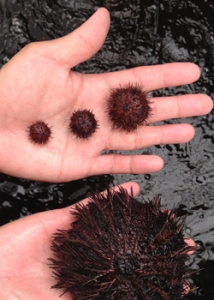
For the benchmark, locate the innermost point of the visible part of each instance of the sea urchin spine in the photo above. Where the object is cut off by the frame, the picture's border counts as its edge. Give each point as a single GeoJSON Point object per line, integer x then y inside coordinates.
{"type": "Point", "coordinates": [119, 248]}
{"type": "Point", "coordinates": [39, 132]}
{"type": "Point", "coordinates": [128, 107]}
{"type": "Point", "coordinates": [83, 123]}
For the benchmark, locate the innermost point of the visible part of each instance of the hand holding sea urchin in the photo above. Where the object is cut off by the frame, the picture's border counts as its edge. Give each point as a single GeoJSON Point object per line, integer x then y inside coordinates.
{"type": "Point", "coordinates": [128, 107]}
{"type": "Point", "coordinates": [119, 248]}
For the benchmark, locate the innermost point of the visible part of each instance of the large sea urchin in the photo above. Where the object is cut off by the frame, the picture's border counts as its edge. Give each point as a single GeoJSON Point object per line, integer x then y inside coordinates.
{"type": "Point", "coordinates": [83, 123]}
{"type": "Point", "coordinates": [119, 249]}
{"type": "Point", "coordinates": [128, 107]}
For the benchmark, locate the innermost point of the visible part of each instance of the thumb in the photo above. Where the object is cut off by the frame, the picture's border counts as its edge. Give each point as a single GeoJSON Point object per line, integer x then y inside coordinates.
{"type": "Point", "coordinates": [84, 42]}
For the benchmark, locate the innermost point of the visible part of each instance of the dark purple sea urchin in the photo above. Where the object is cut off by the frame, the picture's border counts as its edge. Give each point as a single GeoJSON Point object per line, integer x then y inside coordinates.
{"type": "Point", "coordinates": [83, 123]}
{"type": "Point", "coordinates": [39, 132]}
{"type": "Point", "coordinates": [120, 249]}
{"type": "Point", "coordinates": [128, 107]}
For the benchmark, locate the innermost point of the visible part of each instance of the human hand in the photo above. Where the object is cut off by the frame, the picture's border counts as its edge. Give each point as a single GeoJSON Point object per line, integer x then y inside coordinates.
{"type": "Point", "coordinates": [38, 84]}
{"type": "Point", "coordinates": [25, 248]}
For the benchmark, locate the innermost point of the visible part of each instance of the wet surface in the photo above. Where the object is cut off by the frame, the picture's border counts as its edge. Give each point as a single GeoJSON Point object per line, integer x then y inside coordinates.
{"type": "Point", "coordinates": [142, 33]}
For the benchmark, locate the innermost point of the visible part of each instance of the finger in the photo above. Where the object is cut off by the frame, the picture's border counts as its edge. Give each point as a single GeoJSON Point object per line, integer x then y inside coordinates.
{"type": "Point", "coordinates": [131, 187]}
{"type": "Point", "coordinates": [123, 164]}
{"type": "Point", "coordinates": [156, 77]}
{"type": "Point", "coordinates": [64, 213]}
{"type": "Point", "coordinates": [146, 136]}
{"type": "Point", "coordinates": [84, 42]}
{"type": "Point", "coordinates": [179, 107]}
{"type": "Point", "coordinates": [190, 243]}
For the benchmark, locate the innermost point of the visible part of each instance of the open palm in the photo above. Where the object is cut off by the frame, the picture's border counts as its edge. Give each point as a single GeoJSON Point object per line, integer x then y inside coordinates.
{"type": "Point", "coordinates": [25, 249]}
{"type": "Point", "coordinates": [38, 84]}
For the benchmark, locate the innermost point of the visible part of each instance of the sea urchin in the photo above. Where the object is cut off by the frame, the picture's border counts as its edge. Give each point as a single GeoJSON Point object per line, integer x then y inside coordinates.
{"type": "Point", "coordinates": [119, 248]}
{"type": "Point", "coordinates": [128, 107]}
{"type": "Point", "coordinates": [39, 132]}
{"type": "Point", "coordinates": [83, 123]}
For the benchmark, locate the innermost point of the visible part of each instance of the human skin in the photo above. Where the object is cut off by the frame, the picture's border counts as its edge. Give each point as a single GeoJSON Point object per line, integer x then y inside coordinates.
{"type": "Point", "coordinates": [38, 84]}
{"type": "Point", "coordinates": [25, 249]}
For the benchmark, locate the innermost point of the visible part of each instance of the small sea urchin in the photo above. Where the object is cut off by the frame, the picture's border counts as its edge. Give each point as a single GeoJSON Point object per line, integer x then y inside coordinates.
{"type": "Point", "coordinates": [39, 132]}
{"type": "Point", "coordinates": [83, 123]}
{"type": "Point", "coordinates": [119, 248]}
{"type": "Point", "coordinates": [128, 107]}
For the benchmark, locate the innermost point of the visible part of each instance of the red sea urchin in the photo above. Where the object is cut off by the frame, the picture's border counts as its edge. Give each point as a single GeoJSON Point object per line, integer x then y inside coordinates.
{"type": "Point", "coordinates": [83, 123]}
{"type": "Point", "coordinates": [128, 107]}
{"type": "Point", "coordinates": [119, 248]}
{"type": "Point", "coordinates": [39, 132]}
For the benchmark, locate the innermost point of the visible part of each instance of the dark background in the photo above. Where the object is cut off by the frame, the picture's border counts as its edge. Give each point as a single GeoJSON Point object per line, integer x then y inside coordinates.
{"type": "Point", "coordinates": [142, 33]}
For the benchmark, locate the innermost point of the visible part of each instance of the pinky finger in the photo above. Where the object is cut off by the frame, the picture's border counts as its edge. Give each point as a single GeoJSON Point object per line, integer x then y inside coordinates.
{"type": "Point", "coordinates": [122, 164]}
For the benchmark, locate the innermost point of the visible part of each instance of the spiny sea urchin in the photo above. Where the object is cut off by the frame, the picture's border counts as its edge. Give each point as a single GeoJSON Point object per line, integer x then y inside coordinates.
{"type": "Point", "coordinates": [83, 123]}
{"type": "Point", "coordinates": [119, 248]}
{"type": "Point", "coordinates": [128, 107]}
{"type": "Point", "coordinates": [39, 132]}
